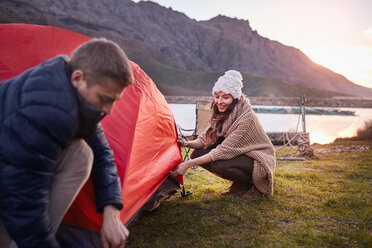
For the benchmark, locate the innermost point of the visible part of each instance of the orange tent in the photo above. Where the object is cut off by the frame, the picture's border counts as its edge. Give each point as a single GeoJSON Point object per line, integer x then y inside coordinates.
{"type": "Point", "coordinates": [140, 130]}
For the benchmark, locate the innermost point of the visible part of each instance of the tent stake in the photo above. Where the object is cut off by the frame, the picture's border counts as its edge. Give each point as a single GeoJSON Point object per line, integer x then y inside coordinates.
{"type": "Point", "coordinates": [183, 193]}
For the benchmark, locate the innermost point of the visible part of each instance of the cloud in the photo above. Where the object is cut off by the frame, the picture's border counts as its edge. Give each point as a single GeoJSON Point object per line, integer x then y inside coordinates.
{"type": "Point", "coordinates": [368, 32]}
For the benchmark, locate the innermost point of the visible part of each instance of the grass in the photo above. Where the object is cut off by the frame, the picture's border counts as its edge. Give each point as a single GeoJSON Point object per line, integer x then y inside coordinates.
{"type": "Point", "coordinates": [325, 203]}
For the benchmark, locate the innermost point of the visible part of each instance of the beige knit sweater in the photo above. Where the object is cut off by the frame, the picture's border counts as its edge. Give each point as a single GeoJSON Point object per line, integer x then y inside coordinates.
{"type": "Point", "coordinates": [246, 136]}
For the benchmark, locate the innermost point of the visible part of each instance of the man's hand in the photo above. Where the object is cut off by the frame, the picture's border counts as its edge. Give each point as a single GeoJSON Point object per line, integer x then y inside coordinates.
{"type": "Point", "coordinates": [113, 233]}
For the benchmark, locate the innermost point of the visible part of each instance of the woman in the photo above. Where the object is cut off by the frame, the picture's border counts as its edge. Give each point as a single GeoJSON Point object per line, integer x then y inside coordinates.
{"type": "Point", "coordinates": [234, 145]}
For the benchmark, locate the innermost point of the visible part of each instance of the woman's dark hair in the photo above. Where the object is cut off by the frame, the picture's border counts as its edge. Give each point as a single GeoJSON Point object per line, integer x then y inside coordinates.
{"type": "Point", "coordinates": [219, 118]}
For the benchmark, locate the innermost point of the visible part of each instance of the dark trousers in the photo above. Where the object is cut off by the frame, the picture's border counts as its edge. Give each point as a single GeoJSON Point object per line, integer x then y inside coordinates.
{"type": "Point", "coordinates": [238, 169]}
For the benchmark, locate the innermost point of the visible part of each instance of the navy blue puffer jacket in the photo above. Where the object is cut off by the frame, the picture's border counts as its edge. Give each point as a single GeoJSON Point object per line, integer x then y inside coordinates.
{"type": "Point", "coordinates": [40, 114]}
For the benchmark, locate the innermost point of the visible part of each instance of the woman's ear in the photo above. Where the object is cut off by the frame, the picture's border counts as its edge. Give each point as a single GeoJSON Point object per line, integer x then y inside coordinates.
{"type": "Point", "coordinates": [77, 78]}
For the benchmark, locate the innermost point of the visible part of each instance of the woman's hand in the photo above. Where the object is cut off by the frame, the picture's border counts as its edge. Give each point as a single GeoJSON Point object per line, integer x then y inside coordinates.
{"type": "Point", "coordinates": [194, 144]}
{"type": "Point", "coordinates": [182, 143]}
{"type": "Point", "coordinates": [180, 169]}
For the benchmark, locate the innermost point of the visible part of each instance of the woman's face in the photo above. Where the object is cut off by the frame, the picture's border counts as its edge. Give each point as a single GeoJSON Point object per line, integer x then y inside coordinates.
{"type": "Point", "coordinates": [222, 101]}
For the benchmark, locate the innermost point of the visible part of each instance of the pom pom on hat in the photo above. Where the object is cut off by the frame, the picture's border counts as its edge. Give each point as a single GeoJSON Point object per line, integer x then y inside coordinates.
{"type": "Point", "coordinates": [230, 83]}
{"type": "Point", "coordinates": [234, 74]}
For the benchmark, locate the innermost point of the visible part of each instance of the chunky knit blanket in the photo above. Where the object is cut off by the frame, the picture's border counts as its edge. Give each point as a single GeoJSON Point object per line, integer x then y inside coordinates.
{"type": "Point", "coordinates": [246, 136]}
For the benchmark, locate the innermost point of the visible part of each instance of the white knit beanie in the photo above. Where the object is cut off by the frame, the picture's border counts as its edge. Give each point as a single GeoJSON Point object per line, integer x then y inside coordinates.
{"type": "Point", "coordinates": [230, 83]}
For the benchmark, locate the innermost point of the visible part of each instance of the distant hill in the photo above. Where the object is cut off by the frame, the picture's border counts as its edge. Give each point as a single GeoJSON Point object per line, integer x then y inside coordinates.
{"type": "Point", "coordinates": [184, 56]}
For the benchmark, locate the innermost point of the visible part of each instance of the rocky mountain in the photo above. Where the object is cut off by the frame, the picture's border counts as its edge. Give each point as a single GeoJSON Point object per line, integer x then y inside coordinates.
{"type": "Point", "coordinates": [180, 53]}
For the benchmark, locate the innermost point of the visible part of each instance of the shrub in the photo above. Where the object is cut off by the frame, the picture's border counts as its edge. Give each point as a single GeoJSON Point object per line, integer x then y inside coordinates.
{"type": "Point", "coordinates": [366, 131]}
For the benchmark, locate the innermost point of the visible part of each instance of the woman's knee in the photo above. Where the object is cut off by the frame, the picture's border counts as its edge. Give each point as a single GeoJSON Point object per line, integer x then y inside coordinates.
{"type": "Point", "coordinates": [198, 153]}
{"type": "Point", "coordinates": [218, 167]}
{"type": "Point", "coordinates": [223, 169]}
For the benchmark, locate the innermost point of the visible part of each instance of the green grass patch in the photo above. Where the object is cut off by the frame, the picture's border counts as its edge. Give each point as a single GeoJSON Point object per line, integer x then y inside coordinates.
{"type": "Point", "coordinates": [324, 203]}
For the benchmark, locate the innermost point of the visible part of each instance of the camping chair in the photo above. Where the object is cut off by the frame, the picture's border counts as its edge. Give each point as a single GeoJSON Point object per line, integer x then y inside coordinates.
{"type": "Point", "coordinates": [203, 113]}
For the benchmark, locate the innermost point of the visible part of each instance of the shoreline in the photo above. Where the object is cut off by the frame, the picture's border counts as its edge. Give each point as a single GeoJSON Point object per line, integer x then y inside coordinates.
{"type": "Point", "coordinates": [334, 102]}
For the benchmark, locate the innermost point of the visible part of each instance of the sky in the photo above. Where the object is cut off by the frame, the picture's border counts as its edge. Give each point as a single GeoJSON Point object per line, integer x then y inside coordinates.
{"type": "Point", "coordinates": [334, 33]}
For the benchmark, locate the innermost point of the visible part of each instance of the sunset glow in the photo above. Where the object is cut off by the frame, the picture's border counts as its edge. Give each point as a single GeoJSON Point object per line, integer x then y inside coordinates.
{"type": "Point", "coordinates": [334, 33]}
{"type": "Point", "coordinates": [324, 136]}
{"type": "Point", "coordinates": [320, 138]}
{"type": "Point", "coordinates": [354, 62]}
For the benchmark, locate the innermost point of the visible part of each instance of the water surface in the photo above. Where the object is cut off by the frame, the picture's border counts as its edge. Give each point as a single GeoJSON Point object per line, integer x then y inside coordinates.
{"type": "Point", "coordinates": [322, 128]}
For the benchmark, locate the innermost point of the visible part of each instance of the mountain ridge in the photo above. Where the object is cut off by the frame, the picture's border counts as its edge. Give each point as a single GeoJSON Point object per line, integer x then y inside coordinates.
{"type": "Point", "coordinates": [150, 33]}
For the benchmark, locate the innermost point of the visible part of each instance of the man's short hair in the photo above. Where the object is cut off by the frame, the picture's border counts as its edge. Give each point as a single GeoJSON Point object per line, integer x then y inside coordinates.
{"type": "Point", "coordinates": [99, 59]}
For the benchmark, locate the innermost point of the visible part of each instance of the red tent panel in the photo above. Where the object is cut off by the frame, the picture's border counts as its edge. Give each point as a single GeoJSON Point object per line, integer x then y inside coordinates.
{"type": "Point", "coordinates": [23, 46]}
{"type": "Point", "coordinates": [140, 130]}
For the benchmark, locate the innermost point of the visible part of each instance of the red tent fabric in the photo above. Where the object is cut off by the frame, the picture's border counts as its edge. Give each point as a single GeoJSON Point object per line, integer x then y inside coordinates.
{"type": "Point", "coordinates": [23, 46]}
{"type": "Point", "coordinates": [140, 130]}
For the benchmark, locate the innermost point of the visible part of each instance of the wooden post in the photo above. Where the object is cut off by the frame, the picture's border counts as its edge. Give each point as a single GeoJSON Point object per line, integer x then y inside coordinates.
{"type": "Point", "coordinates": [302, 102]}
{"type": "Point", "coordinates": [304, 139]}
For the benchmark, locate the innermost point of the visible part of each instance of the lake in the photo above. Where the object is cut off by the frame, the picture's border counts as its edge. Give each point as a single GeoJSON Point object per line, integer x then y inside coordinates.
{"type": "Point", "coordinates": [323, 129]}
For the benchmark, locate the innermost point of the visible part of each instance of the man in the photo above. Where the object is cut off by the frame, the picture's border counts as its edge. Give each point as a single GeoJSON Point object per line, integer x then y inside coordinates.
{"type": "Point", "coordinates": [49, 138]}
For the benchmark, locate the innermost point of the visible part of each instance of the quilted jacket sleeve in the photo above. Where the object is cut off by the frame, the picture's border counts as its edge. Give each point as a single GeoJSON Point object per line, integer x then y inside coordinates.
{"type": "Point", "coordinates": [31, 139]}
{"type": "Point", "coordinates": [107, 186]}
